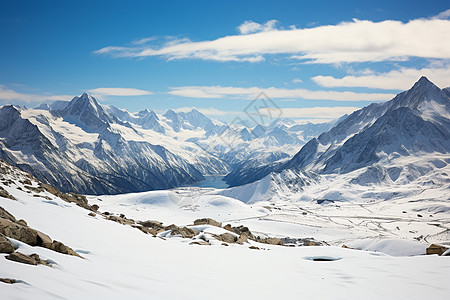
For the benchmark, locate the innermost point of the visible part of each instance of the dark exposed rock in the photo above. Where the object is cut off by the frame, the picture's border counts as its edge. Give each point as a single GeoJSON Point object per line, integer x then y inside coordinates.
{"type": "Point", "coordinates": [240, 230]}
{"type": "Point", "coordinates": [61, 248]}
{"type": "Point", "coordinates": [183, 231]}
{"type": "Point", "coordinates": [21, 258]}
{"type": "Point", "coordinates": [4, 193]}
{"type": "Point", "coordinates": [243, 238]}
{"type": "Point", "coordinates": [200, 242]}
{"type": "Point", "coordinates": [152, 224]}
{"type": "Point", "coordinates": [91, 214]}
{"type": "Point", "coordinates": [6, 215]}
{"type": "Point", "coordinates": [94, 207]}
{"type": "Point", "coordinates": [207, 221]}
{"type": "Point", "coordinates": [254, 247]}
{"type": "Point", "coordinates": [121, 220]}
{"type": "Point", "coordinates": [8, 280]}
{"type": "Point", "coordinates": [436, 249]}
{"type": "Point", "coordinates": [22, 222]}
{"type": "Point", "coordinates": [227, 238]}
{"type": "Point", "coordinates": [271, 241]}
{"type": "Point", "coordinates": [5, 245]}
{"type": "Point", "coordinates": [23, 233]}
{"type": "Point", "coordinates": [301, 242]}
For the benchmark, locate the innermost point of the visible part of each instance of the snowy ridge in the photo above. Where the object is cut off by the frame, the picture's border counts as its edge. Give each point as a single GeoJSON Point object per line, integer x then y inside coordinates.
{"type": "Point", "coordinates": [89, 148]}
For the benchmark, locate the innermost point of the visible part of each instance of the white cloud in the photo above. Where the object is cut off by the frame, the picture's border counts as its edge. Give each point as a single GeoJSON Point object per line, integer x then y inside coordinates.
{"type": "Point", "coordinates": [8, 95]}
{"type": "Point", "coordinates": [210, 111]}
{"type": "Point", "coordinates": [355, 41]}
{"type": "Point", "coordinates": [401, 79]}
{"type": "Point", "coordinates": [321, 113]}
{"type": "Point", "coordinates": [443, 15]}
{"type": "Point", "coordinates": [251, 92]}
{"type": "Point", "coordinates": [251, 27]}
{"type": "Point", "coordinates": [119, 92]}
{"type": "Point", "coordinates": [297, 80]}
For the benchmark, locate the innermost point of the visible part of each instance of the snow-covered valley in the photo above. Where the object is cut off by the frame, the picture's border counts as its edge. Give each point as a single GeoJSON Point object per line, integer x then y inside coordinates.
{"type": "Point", "coordinates": [351, 215]}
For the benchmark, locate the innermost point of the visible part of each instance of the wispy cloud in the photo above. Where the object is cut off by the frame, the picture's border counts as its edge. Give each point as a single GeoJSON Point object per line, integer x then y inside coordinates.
{"type": "Point", "coordinates": [346, 42]}
{"type": "Point", "coordinates": [210, 111]}
{"type": "Point", "coordinates": [322, 113]}
{"type": "Point", "coordinates": [9, 96]}
{"type": "Point", "coordinates": [251, 92]}
{"type": "Point", "coordinates": [297, 80]}
{"type": "Point", "coordinates": [252, 27]}
{"type": "Point", "coordinates": [400, 79]}
{"type": "Point", "coordinates": [119, 92]}
{"type": "Point", "coordinates": [443, 15]}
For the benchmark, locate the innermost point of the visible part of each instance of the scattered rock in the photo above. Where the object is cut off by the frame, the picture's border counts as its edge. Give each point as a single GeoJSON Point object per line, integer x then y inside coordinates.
{"type": "Point", "coordinates": [39, 260]}
{"type": "Point", "coordinates": [183, 231]}
{"type": "Point", "coordinates": [254, 247]}
{"type": "Point", "coordinates": [26, 181]}
{"type": "Point", "coordinates": [61, 248]}
{"type": "Point", "coordinates": [436, 249]}
{"type": "Point", "coordinates": [419, 215]}
{"type": "Point", "coordinates": [23, 233]}
{"type": "Point", "coordinates": [152, 224]}
{"type": "Point", "coordinates": [95, 207]}
{"type": "Point", "coordinates": [301, 242]}
{"type": "Point", "coordinates": [207, 221]}
{"type": "Point", "coordinates": [4, 193]}
{"type": "Point", "coordinates": [5, 245]}
{"type": "Point", "coordinates": [22, 258]}
{"type": "Point", "coordinates": [227, 238]}
{"type": "Point", "coordinates": [6, 215]}
{"type": "Point", "coordinates": [225, 244]}
{"type": "Point", "coordinates": [242, 239]}
{"type": "Point", "coordinates": [200, 242]}
{"type": "Point", "coordinates": [92, 214]}
{"type": "Point", "coordinates": [271, 241]}
{"type": "Point", "coordinates": [228, 227]}
{"type": "Point", "coordinates": [121, 220]}
{"type": "Point", "coordinates": [8, 280]}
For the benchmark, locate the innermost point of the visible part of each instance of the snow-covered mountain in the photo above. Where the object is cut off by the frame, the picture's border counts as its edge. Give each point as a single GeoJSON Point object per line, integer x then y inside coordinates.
{"type": "Point", "coordinates": [416, 123]}
{"type": "Point", "coordinates": [90, 148]}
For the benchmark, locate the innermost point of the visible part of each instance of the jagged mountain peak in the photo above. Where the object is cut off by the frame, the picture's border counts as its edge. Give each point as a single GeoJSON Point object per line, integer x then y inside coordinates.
{"type": "Point", "coordinates": [86, 110]}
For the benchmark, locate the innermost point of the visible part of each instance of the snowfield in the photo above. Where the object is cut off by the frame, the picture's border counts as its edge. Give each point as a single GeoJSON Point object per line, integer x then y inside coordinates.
{"type": "Point", "coordinates": [120, 261]}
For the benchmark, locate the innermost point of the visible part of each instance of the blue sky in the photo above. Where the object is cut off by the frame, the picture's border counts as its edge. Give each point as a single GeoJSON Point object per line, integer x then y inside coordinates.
{"type": "Point", "coordinates": [315, 59]}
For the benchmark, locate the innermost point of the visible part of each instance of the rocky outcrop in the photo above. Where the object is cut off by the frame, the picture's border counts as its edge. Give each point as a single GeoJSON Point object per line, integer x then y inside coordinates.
{"type": "Point", "coordinates": [227, 238]}
{"type": "Point", "coordinates": [5, 245]}
{"type": "Point", "coordinates": [438, 249]}
{"type": "Point", "coordinates": [22, 258]}
{"type": "Point", "coordinates": [4, 193]}
{"type": "Point", "coordinates": [207, 221]}
{"type": "Point", "coordinates": [18, 230]}
{"type": "Point", "coordinates": [8, 280]}
{"type": "Point", "coordinates": [32, 259]}
{"type": "Point", "coordinates": [185, 232]}
{"type": "Point", "coordinates": [61, 248]}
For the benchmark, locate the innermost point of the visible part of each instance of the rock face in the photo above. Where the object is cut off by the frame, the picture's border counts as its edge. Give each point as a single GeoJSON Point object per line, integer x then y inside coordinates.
{"type": "Point", "coordinates": [207, 221]}
{"type": "Point", "coordinates": [185, 232]}
{"type": "Point", "coordinates": [5, 194]}
{"type": "Point", "coordinates": [61, 248]}
{"type": "Point", "coordinates": [8, 280]}
{"type": "Point", "coordinates": [5, 245]}
{"type": "Point", "coordinates": [227, 238]}
{"type": "Point", "coordinates": [10, 227]}
{"type": "Point", "coordinates": [23, 233]}
{"type": "Point", "coordinates": [437, 249]}
{"type": "Point", "coordinates": [22, 258]}
{"type": "Point", "coordinates": [414, 122]}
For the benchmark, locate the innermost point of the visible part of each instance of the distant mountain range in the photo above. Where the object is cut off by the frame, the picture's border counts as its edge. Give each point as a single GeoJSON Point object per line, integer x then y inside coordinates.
{"type": "Point", "coordinates": [89, 148]}
{"type": "Point", "coordinates": [395, 141]}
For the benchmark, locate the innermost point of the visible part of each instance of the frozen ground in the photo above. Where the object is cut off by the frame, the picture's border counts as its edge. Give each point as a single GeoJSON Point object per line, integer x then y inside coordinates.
{"type": "Point", "coordinates": [122, 262]}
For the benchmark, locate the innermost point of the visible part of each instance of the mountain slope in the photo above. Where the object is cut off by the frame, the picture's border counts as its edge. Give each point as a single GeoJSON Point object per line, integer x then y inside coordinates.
{"type": "Point", "coordinates": [415, 122]}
